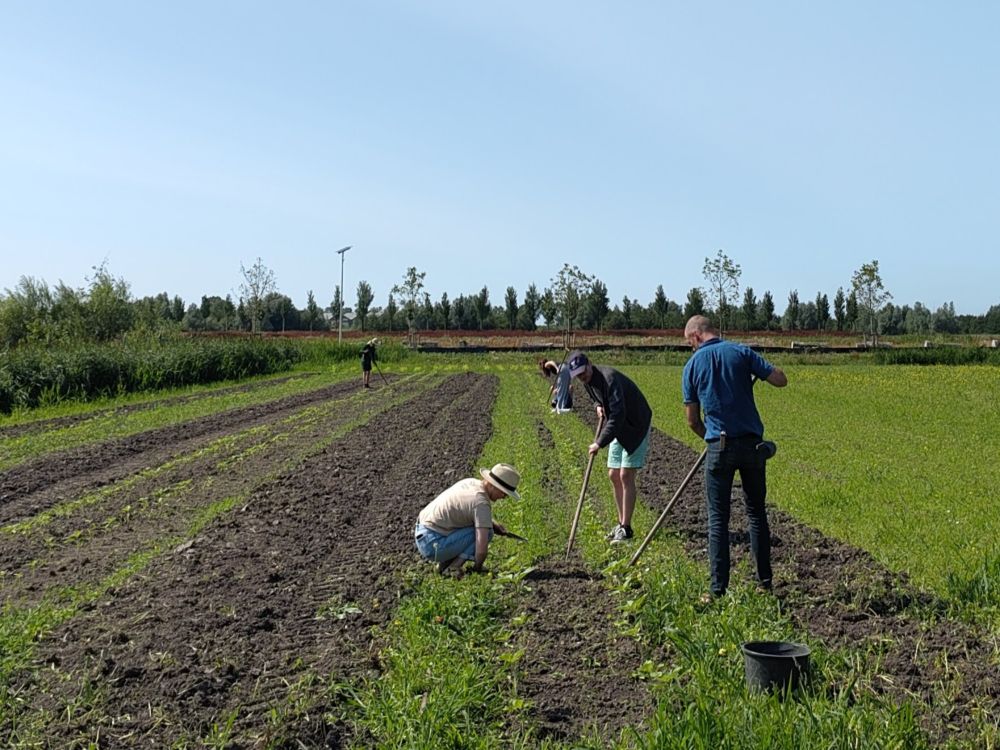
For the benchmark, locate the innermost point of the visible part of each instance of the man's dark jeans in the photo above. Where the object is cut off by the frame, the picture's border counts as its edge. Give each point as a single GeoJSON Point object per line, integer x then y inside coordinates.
{"type": "Point", "coordinates": [721, 465]}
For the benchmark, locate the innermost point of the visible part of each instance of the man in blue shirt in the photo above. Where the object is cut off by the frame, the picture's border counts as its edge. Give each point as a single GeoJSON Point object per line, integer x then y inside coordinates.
{"type": "Point", "coordinates": [717, 386]}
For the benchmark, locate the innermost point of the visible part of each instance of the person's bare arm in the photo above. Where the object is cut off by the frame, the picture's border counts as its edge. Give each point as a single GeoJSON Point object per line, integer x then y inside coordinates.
{"type": "Point", "coordinates": [777, 378]}
{"type": "Point", "coordinates": [482, 547]}
{"type": "Point", "coordinates": [693, 412]}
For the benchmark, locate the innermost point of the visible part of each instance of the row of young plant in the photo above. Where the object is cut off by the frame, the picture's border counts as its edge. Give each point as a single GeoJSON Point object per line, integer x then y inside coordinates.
{"type": "Point", "coordinates": [25, 721]}
{"type": "Point", "coordinates": [450, 657]}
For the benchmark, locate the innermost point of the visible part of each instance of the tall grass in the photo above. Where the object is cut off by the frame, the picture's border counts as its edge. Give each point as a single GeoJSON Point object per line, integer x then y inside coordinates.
{"type": "Point", "coordinates": [33, 376]}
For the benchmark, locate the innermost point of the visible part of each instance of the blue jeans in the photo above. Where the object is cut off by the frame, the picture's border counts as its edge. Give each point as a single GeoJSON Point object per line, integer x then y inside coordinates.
{"type": "Point", "coordinates": [438, 547]}
{"type": "Point", "coordinates": [740, 454]}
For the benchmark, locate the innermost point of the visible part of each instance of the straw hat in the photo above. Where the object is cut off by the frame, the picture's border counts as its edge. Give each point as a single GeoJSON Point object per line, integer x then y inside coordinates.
{"type": "Point", "coordinates": [503, 477]}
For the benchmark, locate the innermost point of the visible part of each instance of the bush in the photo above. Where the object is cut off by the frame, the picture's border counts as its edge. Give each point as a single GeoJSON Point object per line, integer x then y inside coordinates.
{"type": "Point", "coordinates": [31, 376]}
{"type": "Point", "coordinates": [939, 355]}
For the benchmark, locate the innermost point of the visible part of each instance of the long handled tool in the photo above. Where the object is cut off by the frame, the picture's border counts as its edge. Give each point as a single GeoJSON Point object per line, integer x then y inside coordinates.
{"type": "Point", "coordinates": [666, 510]}
{"type": "Point", "coordinates": [510, 534]}
{"type": "Point", "coordinates": [583, 491]}
{"type": "Point", "coordinates": [380, 373]}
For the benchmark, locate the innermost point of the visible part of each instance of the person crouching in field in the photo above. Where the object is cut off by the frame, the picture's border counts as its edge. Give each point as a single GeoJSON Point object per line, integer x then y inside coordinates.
{"type": "Point", "coordinates": [458, 524]}
{"type": "Point", "coordinates": [627, 419]}
{"type": "Point", "coordinates": [368, 358]}
{"type": "Point", "coordinates": [560, 394]}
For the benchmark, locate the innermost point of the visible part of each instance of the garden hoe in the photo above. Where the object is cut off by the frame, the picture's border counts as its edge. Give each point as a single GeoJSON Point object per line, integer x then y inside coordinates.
{"type": "Point", "coordinates": [583, 491]}
{"type": "Point", "coordinates": [767, 447]}
{"type": "Point", "coordinates": [670, 505]}
{"type": "Point", "coordinates": [510, 534]}
{"type": "Point", "coordinates": [380, 374]}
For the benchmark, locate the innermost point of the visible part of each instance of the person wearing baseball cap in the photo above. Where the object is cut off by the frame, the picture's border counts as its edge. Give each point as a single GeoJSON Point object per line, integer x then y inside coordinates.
{"type": "Point", "coordinates": [625, 431]}
{"type": "Point", "coordinates": [458, 524]}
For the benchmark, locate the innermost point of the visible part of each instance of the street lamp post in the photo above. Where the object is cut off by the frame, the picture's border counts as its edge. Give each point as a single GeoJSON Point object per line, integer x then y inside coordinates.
{"type": "Point", "coordinates": [340, 313]}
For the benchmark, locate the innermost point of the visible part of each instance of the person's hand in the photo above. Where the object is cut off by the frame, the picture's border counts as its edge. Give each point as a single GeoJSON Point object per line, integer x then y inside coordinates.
{"type": "Point", "coordinates": [499, 528]}
{"type": "Point", "coordinates": [600, 412]}
{"type": "Point", "coordinates": [593, 448]}
{"type": "Point", "coordinates": [482, 569]}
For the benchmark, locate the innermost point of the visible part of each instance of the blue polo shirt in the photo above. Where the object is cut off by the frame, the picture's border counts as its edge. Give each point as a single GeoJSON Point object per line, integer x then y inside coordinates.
{"type": "Point", "coordinates": [718, 377]}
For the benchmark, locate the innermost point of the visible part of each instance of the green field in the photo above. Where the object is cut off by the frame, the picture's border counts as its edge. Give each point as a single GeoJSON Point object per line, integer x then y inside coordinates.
{"type": "Point", "coordinates": [896, 460]}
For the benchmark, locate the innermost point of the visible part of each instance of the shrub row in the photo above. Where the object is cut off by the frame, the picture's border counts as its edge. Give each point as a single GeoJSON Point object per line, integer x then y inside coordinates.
{"type": "Point", "coordinates": [939, 355]}
{"type": "Point", "coordinates": [32, 376]}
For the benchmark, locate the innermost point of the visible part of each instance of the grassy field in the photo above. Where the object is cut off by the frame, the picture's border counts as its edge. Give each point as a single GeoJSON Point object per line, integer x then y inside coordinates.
{"type": "Point", "coordinates": [895, 459]}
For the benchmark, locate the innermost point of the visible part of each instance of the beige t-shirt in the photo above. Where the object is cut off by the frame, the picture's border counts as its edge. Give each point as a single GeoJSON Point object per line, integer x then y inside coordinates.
{"type": "Point", "coordinates": [463, 504]}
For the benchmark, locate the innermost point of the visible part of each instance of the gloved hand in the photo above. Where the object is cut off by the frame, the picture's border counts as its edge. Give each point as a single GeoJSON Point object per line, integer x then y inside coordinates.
{"type": "Point", "coordinates": [767, 448]}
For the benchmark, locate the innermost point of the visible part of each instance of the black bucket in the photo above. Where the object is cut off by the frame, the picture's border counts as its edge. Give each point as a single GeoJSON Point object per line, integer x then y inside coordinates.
{"type": "Point", "coordinates": [775, 665]}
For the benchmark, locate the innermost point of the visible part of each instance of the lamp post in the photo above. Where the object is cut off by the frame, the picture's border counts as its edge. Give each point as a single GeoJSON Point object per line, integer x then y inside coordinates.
{"type": "Point", "coordinates": [340, 313]}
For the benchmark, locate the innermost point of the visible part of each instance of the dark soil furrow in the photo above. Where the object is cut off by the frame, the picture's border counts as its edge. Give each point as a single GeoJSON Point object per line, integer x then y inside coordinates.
{"type": "Point", "coordinates": [32, 487]}
{"type": "Point", "coordinates": [578, 669]}
{"type": "Point", "coordinates": [87, 545]}
{"type": "Point", "coordinates": [289, 586]}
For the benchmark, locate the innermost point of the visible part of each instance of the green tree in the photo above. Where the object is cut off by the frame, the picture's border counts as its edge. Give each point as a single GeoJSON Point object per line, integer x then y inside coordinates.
{"type": "Point", "coordinates": [258, 284]}
{"type": "Point", "coordinates": [25, 312]}
{"type": "Point", "coordinates": [549, 309]}
{"type": "Point", "coordinates": [660, 306]}
{"type": "Point", "coordinates": [313, 315]}
{"type": "Point", "coordinates": [871, 294]}
{"type": "Point", "coordinates": [443, 310]}
{"type": "Point", "coordinates": [107, 306]}
{"type": "Point", "coordinates": [723, 277]}
{"type": "Point", "coordinates": [510, 308]}
{"type": "Point", "coordinates": [839, 313]}
{"type": "Point", "coordinates": [390, 312]}
{"type": "Point", "coordinates": [365, 298]}
{"type": "Point", "coordinates": [597, 305]}
{"type": "Point", "coordinates": [767, 310]}
{"type": "Point", "coordinates": [749, 309]}
{"type": "Point", "coordinates": [851, 312]}
{"type": "Point", "coordinates": [822, 311]}
{"type": "Point", "coordinates": [528, 314]}
{"type": "Point", "coordinates": [790, 320]}
{"type": "Point", "coordinates": [918, 319]}
{"type": "Point", "coordinates": [695, 304]}
{"type": "Point", "coordinates": [409, 292]}
{"type": "Point", "coordinates": [568, 289]}
{"type": "Point", "coordinates": [481, 304]}
{"type": "Point", "coordinates": [281, 313]}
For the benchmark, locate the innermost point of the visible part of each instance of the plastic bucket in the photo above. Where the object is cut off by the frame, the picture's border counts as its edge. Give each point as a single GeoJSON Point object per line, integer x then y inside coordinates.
{"type": "Point", "coordinates": [775, 665]}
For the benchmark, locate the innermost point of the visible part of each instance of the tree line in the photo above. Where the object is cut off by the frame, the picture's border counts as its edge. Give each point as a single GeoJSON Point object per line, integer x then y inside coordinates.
{"type": "Point", "coordinates": [105, 310]}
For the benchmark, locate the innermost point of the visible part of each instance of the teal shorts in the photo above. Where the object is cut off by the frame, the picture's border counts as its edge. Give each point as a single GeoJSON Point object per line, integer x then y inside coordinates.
{"type": "Point", "coordinates": [619, 458]}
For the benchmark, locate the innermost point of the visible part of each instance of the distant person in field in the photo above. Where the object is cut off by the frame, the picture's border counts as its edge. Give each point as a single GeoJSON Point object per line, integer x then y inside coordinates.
{"type": "Point", "coordinates": [457, 525]}
{"type": "Point", "coordinates": [717, 386]}
{"type": "Point", "coordinates": [368, 358]}
{"type": "Point", "coordinates": [627, 418]}
{"type": "Point", "coordinates": [560, 394]}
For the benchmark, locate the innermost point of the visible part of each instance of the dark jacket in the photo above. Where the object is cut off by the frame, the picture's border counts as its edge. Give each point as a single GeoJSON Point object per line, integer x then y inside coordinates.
{"type": "Point", "coordinates": [627, 415]}
{"type": "Point", "coordinates": [368, 356]}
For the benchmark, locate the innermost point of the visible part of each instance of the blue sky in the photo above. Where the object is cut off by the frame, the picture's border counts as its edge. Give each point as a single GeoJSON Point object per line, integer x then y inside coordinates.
{"type": "Point", "coordinates": [489, 143]}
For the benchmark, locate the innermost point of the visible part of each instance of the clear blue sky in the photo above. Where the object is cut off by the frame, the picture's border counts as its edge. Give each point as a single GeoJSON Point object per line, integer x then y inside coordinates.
{"type": "Point", "coordinates": [489, 143]}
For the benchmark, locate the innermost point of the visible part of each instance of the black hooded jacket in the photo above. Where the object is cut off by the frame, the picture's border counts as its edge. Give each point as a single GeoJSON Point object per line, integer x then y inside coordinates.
{"type": "Point", "coordinates": [627, 415]}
